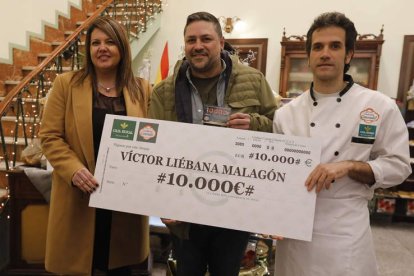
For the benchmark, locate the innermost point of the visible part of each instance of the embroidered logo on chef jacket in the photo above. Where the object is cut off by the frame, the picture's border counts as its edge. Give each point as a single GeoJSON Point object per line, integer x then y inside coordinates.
{"type": "Point", "coordinates": [369, 115]}
{"type": "Point", "coordinates": [367, 131]}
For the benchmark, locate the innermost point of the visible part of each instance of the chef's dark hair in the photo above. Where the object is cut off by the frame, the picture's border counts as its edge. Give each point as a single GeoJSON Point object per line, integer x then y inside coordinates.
{"type": "Point", "coordinates": [336, 19]}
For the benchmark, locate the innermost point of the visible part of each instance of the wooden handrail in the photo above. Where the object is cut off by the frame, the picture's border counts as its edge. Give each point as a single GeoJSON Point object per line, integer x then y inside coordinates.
{"type": "Point", "coordinates": [9, 98]}
{"type": "Point", "coordinates": [28, 117]}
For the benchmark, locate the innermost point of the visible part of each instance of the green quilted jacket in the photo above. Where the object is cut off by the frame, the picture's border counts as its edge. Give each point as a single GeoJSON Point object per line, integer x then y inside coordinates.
{"type": "Point", "coordinates": [247, 92]}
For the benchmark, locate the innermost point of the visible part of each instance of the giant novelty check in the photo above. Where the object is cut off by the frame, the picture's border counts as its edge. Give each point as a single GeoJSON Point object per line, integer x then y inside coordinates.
{"type": "Point", "coordinates": [230, 178]}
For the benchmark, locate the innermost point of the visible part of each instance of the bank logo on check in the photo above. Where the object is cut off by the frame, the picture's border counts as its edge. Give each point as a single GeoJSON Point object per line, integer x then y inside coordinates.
{"type": "Point", "coordinates": [123, 129]}
{"type": "Point", "coordinates": [147, 132]}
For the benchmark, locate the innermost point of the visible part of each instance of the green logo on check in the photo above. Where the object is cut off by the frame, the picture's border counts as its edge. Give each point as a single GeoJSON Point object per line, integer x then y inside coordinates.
{"type": "Point", "coordinates": [123, 129]}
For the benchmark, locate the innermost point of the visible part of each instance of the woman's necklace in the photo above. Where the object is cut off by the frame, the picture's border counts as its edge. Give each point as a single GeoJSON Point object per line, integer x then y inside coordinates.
{"type": "Point", "coordinates": [107, 89]}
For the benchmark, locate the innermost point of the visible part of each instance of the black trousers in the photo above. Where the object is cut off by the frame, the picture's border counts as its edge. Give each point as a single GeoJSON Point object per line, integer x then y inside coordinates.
{"type": "Point", "coordinates": [101, 245]}
{"type": "Point", "coordinates": [218, 249]}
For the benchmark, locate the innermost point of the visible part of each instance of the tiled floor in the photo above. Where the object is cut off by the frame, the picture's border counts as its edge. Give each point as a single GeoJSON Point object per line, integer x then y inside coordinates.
{"type": "Point", "coordinates": [394, 245]}
{"type": "Point", "coordinates": [159, 270]}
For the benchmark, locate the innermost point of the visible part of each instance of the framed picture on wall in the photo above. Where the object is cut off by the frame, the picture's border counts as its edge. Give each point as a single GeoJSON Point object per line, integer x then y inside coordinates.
{"type": "Point", "coordinates": [252, 51]}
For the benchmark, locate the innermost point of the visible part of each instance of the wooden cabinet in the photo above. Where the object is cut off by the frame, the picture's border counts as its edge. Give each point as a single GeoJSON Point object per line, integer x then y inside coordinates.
{"type": "Point", "coordinates": [406, 70]}
{"type": "Point", "coordinates": [28, 223]}
{"type": "Point", "coordinates": [397, 203]}
{"type": "Point", "coordinates": [406, 82]}
{"type": "Point", "coordinates": [295, 76]}
{"type": "Point", "coordinates": [27, 230]}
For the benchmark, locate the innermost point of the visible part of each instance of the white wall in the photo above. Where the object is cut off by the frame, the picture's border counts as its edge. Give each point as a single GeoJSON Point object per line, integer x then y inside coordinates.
{"type": "Point", "coordinates": [19, 19]}
{"type": "Point", "coordinates": [266, 19]}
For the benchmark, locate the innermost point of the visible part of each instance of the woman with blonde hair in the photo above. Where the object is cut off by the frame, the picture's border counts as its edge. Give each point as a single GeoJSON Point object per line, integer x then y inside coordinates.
{"type": "Point", "coordinates": [81, 239]}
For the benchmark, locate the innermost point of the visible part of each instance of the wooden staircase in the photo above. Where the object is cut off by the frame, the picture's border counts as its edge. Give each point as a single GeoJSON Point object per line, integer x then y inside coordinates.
{"type": "Point", "coordinates": [25, 83]}
{"type": "Point", "coordinates": [12, 73]}
{"type": "Point", "coordinates": [15, 137]}
{"type": "Point", "coordinates": [23, 88]}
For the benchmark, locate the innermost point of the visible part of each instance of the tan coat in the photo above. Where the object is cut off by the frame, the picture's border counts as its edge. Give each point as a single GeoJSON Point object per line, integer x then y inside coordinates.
{"type": "Point", "coordinates": [67, 141]}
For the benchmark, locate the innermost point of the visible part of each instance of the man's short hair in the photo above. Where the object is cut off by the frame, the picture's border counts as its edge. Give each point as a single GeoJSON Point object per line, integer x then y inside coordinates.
{"type": "Point", "coordinates": [333, 19]}
{"type": "Point", "coordinates": [204, 16]}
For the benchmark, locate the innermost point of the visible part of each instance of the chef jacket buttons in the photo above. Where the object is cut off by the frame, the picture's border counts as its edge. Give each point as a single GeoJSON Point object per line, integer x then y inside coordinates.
{"type": "Point", "coordinates": [336, 153]}
{"type": "Point", "coordinates": [312, 124]}
{"type": "Point", "coordinates": [338, 125]}
{"type": "Point", "coordinates": [338, 100]}
{"type": "Point", "coordinates": [315, 103]}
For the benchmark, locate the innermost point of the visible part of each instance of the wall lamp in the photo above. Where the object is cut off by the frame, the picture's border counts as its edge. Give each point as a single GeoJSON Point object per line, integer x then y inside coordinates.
{"type": "Point", "coordinates": [227, 23]}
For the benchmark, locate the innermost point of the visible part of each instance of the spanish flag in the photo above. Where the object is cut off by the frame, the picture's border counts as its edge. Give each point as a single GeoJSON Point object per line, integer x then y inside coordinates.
{"type": "Point", "coordinates": [164, 66]}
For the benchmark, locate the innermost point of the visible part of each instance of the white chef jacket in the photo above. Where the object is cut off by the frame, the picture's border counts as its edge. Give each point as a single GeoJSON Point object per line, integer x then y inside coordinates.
{"type": "Point", "coordinates": [361, 125]}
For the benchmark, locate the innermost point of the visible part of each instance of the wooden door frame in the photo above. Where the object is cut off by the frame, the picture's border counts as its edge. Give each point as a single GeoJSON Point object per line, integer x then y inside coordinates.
{"type": "Point", "coordinates": [407, 68]}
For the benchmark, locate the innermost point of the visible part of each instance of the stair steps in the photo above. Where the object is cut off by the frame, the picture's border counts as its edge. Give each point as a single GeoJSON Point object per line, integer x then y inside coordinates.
{"type": "Point", "coordinates": [25, 62]}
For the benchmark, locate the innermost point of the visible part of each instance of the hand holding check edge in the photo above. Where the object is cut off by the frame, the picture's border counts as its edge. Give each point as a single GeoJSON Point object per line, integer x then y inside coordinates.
{"type": "Point", "coordinates": [239, 121]}
{"type": "Point", "coordinates": [325, 174]}
{"type": "Point", "coordinates": [85, 181]}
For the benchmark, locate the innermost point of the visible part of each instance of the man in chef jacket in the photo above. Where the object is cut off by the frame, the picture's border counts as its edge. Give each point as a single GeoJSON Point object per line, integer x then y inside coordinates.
{"type": "Point", "coordinates": [364, 146]}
